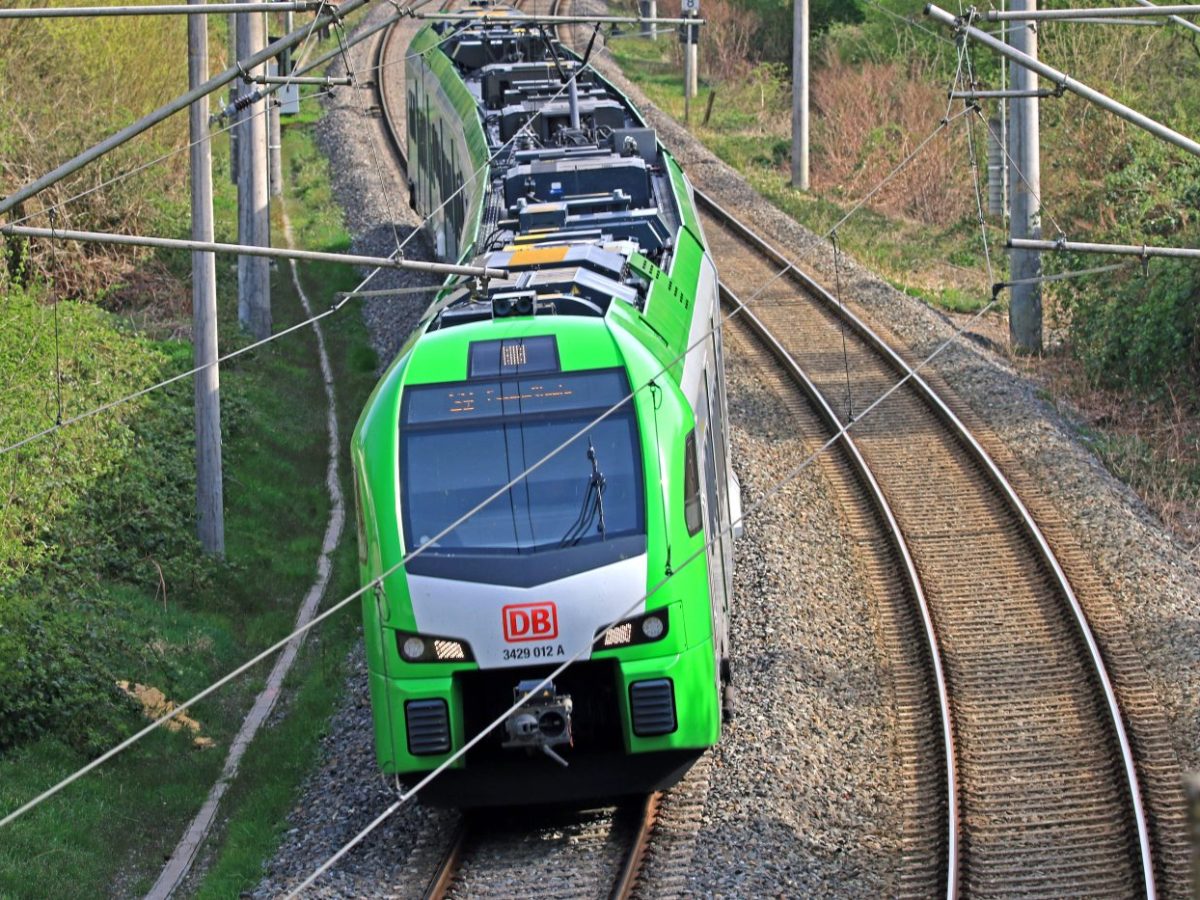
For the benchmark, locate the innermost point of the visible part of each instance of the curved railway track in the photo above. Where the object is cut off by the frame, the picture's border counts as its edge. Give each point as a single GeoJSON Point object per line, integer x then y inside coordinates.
{"type": "Point", "coordinates": [1048, 797]}
{"type": "Point", "coordinates": [1019, 775]}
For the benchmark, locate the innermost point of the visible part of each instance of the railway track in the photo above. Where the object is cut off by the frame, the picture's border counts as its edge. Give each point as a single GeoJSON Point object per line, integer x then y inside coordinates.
{"type": "Point", "coordinates": [1020, 777]}
{"type": "Point", "coordinates": [591, 854]}
{"type": "Point", "coordinates": [1048, 799]}
{"type": "Point", "coordinates": [596, 853]}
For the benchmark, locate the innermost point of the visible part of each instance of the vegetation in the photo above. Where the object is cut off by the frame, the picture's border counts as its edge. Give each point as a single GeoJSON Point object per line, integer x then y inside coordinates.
{"type": "Point", "coordinates": [1124, 346]}
{"type": "Point", "coordinates": [101, 578]}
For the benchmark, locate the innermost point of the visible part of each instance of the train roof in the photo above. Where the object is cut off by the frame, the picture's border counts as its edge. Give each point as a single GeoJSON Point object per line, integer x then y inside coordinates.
{"type": "Point", "coordinates": [583, 205]}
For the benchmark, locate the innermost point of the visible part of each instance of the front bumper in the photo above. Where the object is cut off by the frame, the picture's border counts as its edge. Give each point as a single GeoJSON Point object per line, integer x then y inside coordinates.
{"type": "Point", "coordinates": [619, 707]}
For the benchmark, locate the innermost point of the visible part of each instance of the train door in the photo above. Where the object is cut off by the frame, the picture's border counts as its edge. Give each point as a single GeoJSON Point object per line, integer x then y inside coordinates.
{"type": "Point", "coordinates": [715, 518]}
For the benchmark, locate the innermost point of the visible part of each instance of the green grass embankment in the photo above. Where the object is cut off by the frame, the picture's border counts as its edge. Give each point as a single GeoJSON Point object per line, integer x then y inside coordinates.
{"type": "Point", "coordinates": [102, 580]}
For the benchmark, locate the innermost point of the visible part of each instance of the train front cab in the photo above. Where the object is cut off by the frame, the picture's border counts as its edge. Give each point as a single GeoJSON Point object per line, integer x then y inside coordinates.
{"type": "Point", "coordinates": [644, 703]}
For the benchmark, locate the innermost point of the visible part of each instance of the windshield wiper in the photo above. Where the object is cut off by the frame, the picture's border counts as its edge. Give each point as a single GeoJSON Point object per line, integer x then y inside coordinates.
{"type": "Point", "coordinates": [592, 507]}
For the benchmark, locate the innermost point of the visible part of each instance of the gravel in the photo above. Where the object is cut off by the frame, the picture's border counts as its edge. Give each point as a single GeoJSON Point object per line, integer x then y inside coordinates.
{"type": "Point", "coordinates": [1144, 569]}
{"type": "Point", "coordinates": [797, 799]}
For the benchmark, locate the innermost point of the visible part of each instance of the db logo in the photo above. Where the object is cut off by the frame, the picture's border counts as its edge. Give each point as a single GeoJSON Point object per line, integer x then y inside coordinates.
{"type": "Point", "coordinates": [530, 622]}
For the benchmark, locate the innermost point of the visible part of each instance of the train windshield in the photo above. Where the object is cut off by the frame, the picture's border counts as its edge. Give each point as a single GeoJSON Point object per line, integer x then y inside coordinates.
{"type": "Point", "coordinates": [461, 442]}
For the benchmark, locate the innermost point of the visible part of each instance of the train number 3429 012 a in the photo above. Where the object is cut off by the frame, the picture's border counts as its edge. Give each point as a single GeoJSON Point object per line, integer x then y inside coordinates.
{"type": "Point", "coordinates": [538, 651]}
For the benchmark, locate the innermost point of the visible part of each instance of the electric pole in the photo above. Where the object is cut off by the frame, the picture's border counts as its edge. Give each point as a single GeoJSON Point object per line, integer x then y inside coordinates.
{"type": "Point", "coordinates": [690, 36]}
{"type": "Point", "coordinates": [231, 48]}
{"type": "Point", "coordinates": [800, 94]}
{"type": "Point", "coordinates": [649, 10]}
{"type": "Point", "coordinates": [254, 273]}
{"type": "Point", "coordinates": [1025, 189]}
{"type": "Point", "coordinates": [693, 58]}
{"type": "Point", "coordinates": [210, 504]}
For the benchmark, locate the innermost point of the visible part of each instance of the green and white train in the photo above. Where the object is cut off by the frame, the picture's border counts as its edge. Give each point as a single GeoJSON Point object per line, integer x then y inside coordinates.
{"type": "Point", "coordinates": [605, 330]}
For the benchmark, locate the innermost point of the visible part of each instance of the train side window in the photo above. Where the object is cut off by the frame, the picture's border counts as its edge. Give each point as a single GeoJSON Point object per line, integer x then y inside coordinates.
{"type": "Point", "coordinates": [692, 514]}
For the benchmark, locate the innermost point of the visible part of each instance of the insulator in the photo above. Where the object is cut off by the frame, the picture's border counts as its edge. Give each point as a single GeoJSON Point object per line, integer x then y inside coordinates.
{"type": "Point", "coordinates": [246, 100]}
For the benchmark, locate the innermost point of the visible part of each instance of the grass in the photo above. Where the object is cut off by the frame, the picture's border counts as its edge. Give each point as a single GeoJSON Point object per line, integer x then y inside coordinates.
{"type": "Point", "coordinates": [943, 266]}
{"type": "Point", "coordinates": [258, 803]}
{"type": "Point", "coordinates": [111, 830]}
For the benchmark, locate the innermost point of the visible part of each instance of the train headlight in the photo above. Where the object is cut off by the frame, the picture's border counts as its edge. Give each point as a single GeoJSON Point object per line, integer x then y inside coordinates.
{"type": "Point", "coordinates": [641, 630]}
{"type": "Point", "coordinates": [423, 648]}
{"type": "Point", "coordinates": [653, 627]}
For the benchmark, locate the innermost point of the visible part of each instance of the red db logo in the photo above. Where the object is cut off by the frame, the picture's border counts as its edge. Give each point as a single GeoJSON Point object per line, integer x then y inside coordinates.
{"type": "Point", "coordinates": [530, 622]}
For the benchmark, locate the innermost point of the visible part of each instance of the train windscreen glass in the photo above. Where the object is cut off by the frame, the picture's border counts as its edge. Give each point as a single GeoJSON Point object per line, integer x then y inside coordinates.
{"type": "Point", "coordinates": [462, 441]}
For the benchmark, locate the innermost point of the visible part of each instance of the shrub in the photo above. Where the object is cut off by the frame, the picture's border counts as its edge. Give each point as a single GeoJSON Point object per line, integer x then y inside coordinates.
{"type": "Point", "coordinates": [868, 118]}
{"type": "Point", "coordinates": [1142, 332]}
{"type": "Point", "coordinates": [102, 79]}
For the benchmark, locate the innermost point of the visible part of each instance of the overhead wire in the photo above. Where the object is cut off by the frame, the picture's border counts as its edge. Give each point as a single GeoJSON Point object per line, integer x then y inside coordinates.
{"type": "Point", "coordinates": [972, 162]}
{"type": "Point", "coordinates": [769, 494]}
{"type": "Point", "coordinates": [171, 380]}
{"type": "Point", "coordinates": [378, 580]}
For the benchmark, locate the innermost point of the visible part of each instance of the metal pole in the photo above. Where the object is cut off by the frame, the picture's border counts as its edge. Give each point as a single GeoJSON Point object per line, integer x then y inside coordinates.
{"type": "Point", "coordinates": [274, 138]}
{"type": "Point", "coordinates": [573, 99]}
{"type": "Point", "coordinates": [1001, 95]}
{"type": "Point", "coordinates": [233, 95]}
{"type": "Point", "coordinates": [687, 74]}
{"type": "Point", "coordinates": [1025, 304]}
{"type": "Point", "coordinates": [349, 259]}
{"type": "Point", "coordinates": [475, 19]}
{"type": "Point", "coordinates": [693, 67]}
{"type": "Point", "coordinates": [1175, 20]}
{"type": "Point", "coordinates": [1140, 250]}
{"type": "Point", "coordinates": [254, 272]}
{"type": "Point", "coordinates": [800, 94]}
{"type": "Point", "coordinates": [191, 10]}
{"type": "Point", "coordinates": [210, 504]}
{"type": "Point", "coordinates": [163, 112]}
{"type": "Point", "coordinates": [275, 147]}
{"type": "Point", "coordinates": [647, 10]}
{"type": "Point", "coordinates": [1017, 14]}
{"type": "Point", "coordinates": [1067, 82]}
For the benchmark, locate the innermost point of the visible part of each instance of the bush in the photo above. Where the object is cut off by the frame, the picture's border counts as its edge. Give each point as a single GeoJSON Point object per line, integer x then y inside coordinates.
{"type": "Point", "coordinates": [870, 117]}
{"type": "Point", "coordinates": [103, 79]}
{"type": "Point", "coordinates": [54, 665]}
{"type": "Point", "coordinates": [103, 502]}
{"type": "Point", "coordinates": [1142, 333]}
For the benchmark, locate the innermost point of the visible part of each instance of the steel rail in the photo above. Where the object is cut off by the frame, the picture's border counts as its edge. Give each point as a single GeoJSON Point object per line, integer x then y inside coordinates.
{"type": "Point", "coordinates": [443, 875]}
{"type": "Point", "coordinates": [631, 866]}
{"type": "Point", "coordinates": [381, 92]}
{"type": "Point", "coordinates": [900, 544]}
{"type": "Point", "coordinates": [940, 409]}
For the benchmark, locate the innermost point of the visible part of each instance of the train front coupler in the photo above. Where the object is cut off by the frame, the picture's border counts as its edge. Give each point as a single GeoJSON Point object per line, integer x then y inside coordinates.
{"type": "Point", "coordinates": [543, 720]}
